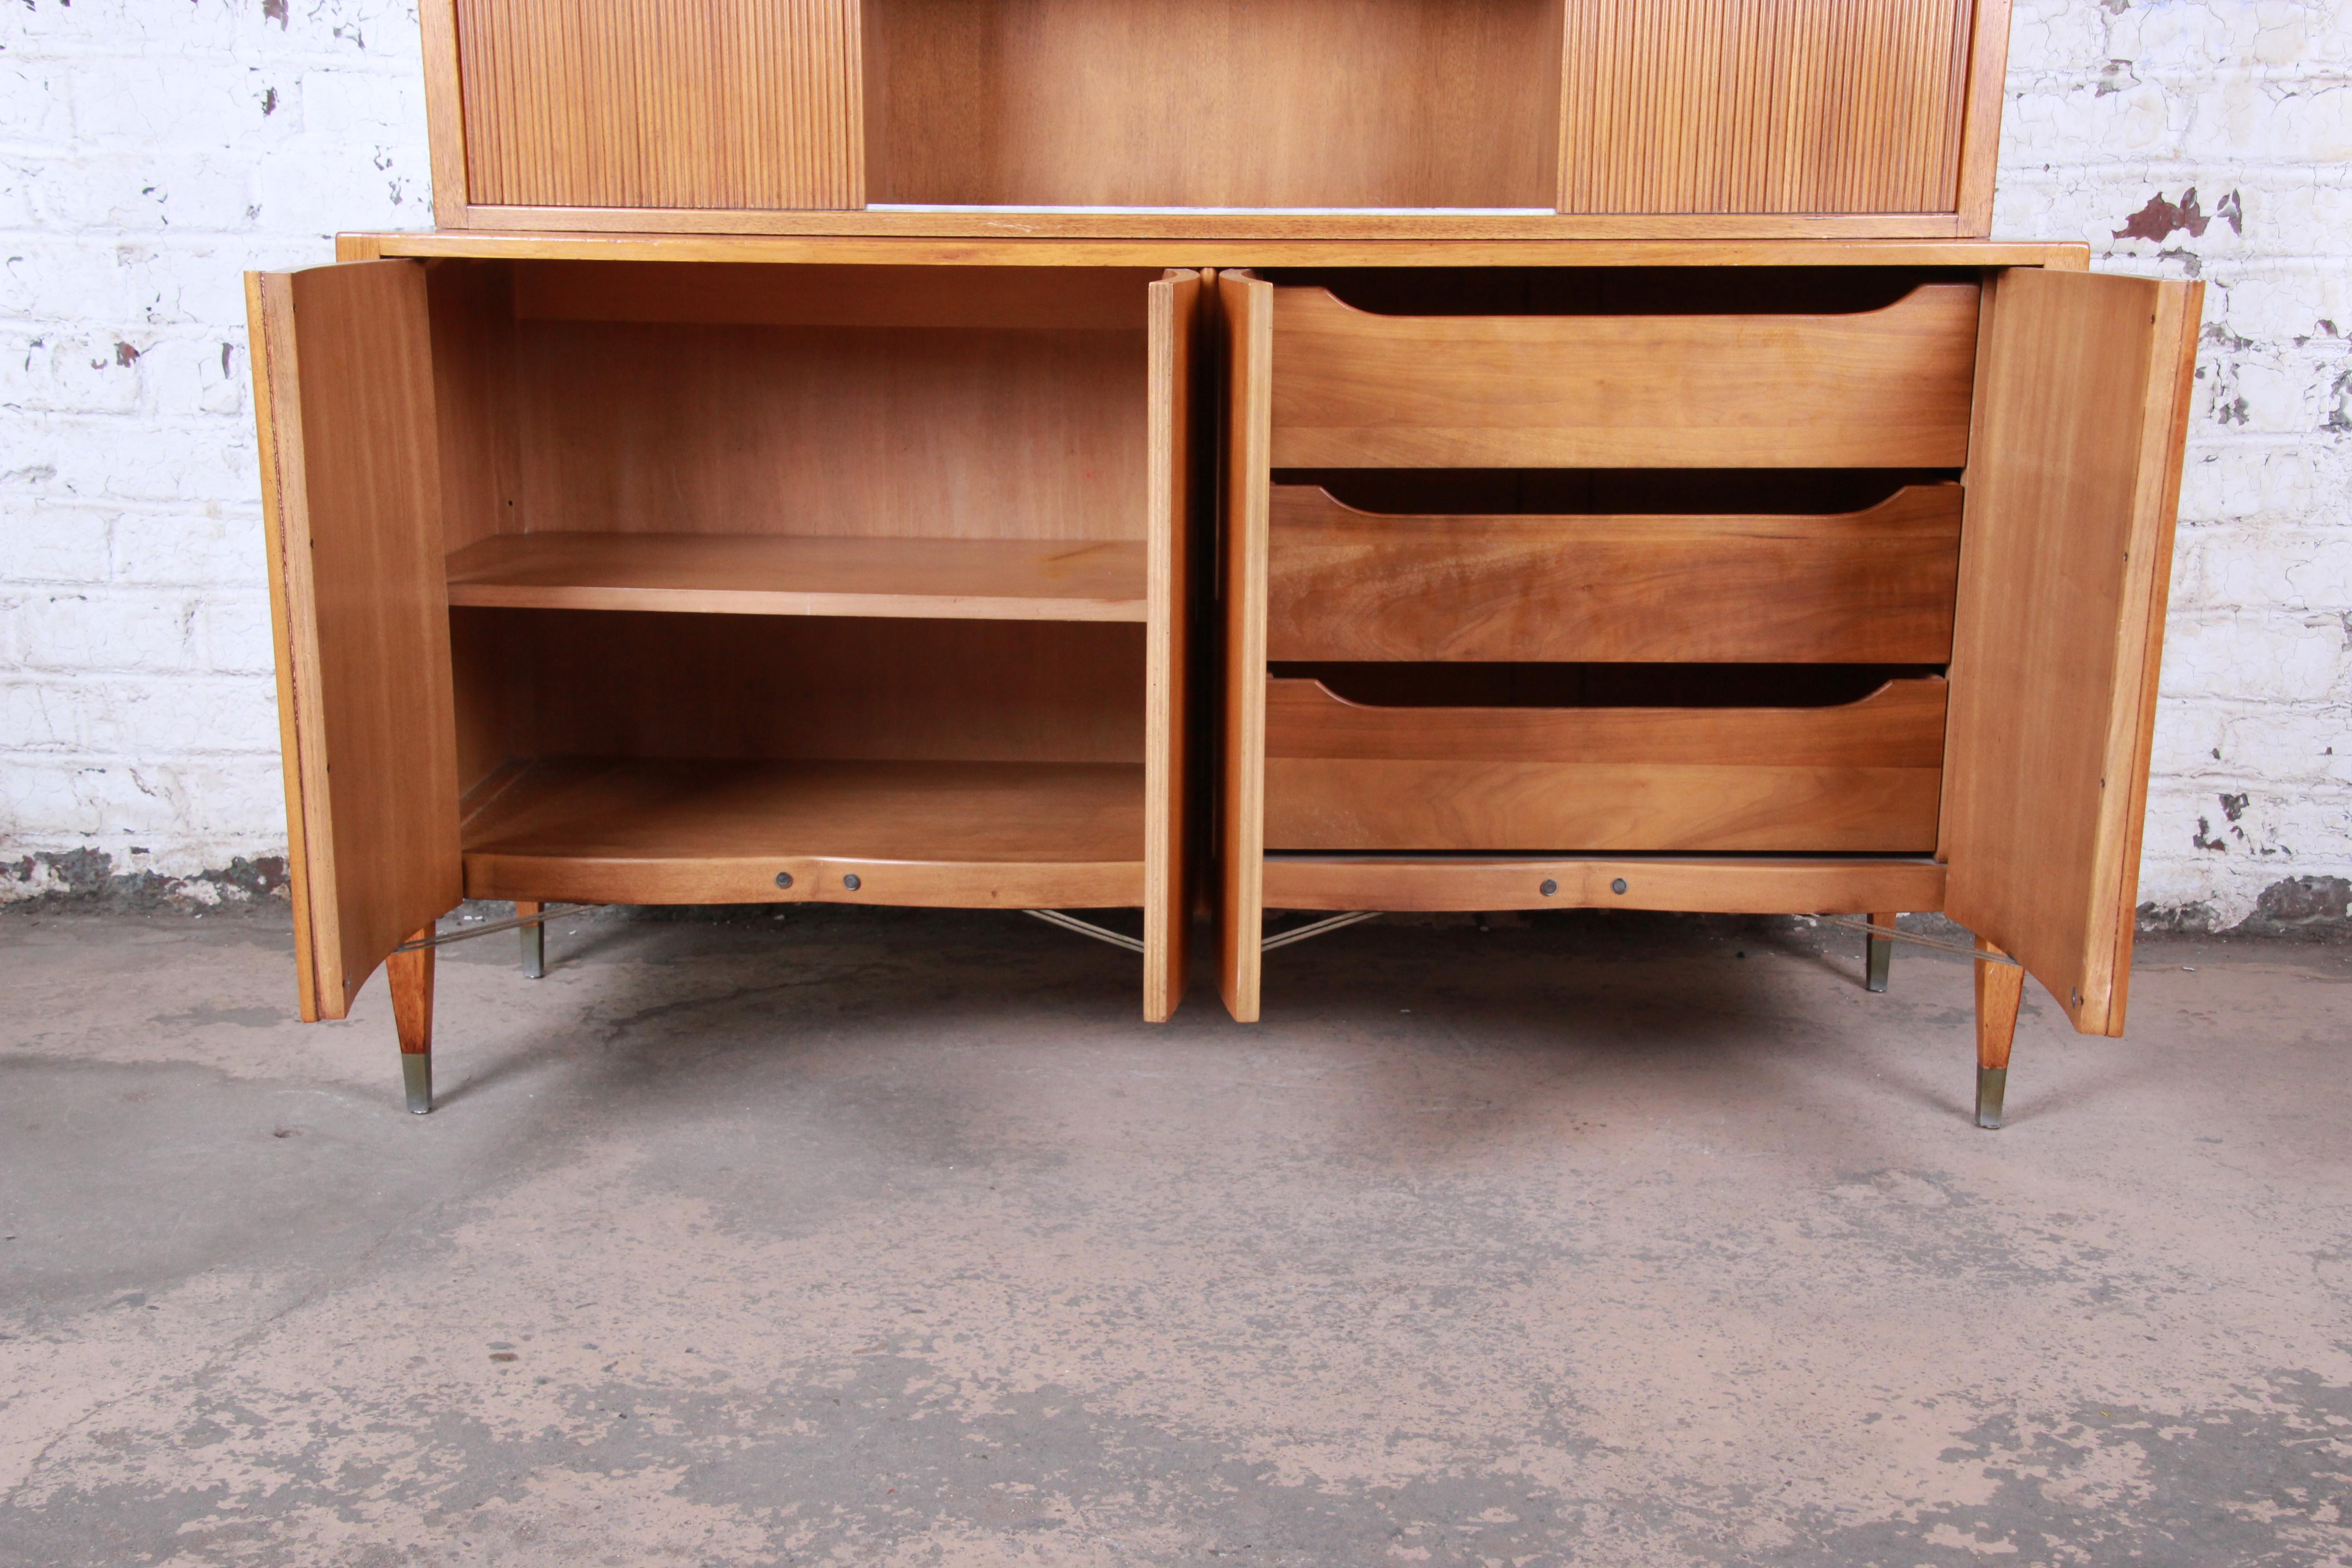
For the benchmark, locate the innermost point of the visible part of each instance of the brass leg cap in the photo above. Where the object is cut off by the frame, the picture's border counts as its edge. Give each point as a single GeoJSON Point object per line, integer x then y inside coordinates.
{"type": "Point", "coordinates": [416, 1073]}
{"type": "Point", "coordinates": [1993, 1085]}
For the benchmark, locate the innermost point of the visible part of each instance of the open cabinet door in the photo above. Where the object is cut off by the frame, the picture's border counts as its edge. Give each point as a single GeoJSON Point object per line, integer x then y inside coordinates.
{"type": "Point", "coordinates": [1246, 307]}
{"type": "Point", "coordinates": [343, 370]}
{"type": "Point", "coordinates": [2074, 478]}
{"type": "Point", "coordinates": [1167, 759]}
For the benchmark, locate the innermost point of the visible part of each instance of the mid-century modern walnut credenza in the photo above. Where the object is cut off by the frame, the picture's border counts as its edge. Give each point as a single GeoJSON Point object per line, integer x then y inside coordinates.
{"type": "Point", "coordinates": [1314, 455]}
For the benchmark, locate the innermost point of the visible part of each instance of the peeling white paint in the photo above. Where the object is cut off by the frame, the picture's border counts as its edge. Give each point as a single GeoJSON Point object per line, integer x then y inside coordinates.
{"type": "Point", "coordinates": [149, 154]}
{"type": "Point", "coordinates": [2250, 106]}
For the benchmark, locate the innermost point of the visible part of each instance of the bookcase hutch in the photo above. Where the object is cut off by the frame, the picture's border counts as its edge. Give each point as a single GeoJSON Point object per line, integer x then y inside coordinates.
{"type": "Point", "coordinates": [1225, 457]}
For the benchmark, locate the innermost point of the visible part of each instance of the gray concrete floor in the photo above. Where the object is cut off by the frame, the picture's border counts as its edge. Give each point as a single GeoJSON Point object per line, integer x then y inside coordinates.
{"type": "Point", "coordinates": [879, 1237]}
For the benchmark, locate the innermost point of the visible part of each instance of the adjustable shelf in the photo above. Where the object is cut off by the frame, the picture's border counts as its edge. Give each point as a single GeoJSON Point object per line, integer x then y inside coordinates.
{"type": "Point", "coordinates": [769, 574]}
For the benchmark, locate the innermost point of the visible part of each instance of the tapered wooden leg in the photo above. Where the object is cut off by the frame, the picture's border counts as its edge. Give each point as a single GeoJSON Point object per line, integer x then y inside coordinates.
{"type": "Point", "coordinates": [412, 1014]}
{"type": "Point", "coordinates": [1881, 955]}
{"type": "Point", "coordinates": [2000, 988]}
{"type": "Point", "coordinates": [534, 941]}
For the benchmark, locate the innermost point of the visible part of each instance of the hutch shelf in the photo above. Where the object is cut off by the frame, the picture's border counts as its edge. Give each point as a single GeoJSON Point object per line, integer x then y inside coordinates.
{"type": "Point", "coordinates": [1160, 119]}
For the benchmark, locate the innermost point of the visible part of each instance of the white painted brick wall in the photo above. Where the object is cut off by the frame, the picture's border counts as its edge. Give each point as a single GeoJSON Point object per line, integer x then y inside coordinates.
{"type": "Point", "coordinates": [152, 149]}
{"type": "Point", "coordinates": [2111, 103]}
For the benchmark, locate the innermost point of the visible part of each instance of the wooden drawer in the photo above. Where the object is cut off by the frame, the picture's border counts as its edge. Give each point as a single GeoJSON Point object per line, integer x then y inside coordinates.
{"type": "Point", "coordinates": [1886, 388]}
{"type": "Point", "coordinates": [1862, 776]}
{"type": "Point", "coordinates": [1867, 587]}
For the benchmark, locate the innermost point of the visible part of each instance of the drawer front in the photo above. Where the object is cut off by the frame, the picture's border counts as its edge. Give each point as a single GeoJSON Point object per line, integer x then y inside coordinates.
{"type": "Point", "coordinates": [1886, 388]}
{"type": "Point", "coordinates": [1867, 587]}
{"type": "Point", "coordinates": [1862, 776]}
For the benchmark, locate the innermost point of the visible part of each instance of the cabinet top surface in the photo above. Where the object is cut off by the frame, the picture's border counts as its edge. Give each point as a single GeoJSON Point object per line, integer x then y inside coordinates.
{"type": "Point", "coordinates": [877, 250]}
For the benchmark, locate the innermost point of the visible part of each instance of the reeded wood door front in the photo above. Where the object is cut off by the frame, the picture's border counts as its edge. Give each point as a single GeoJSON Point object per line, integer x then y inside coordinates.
{"type": "Point", "coordinates": [342, 366]}
{"type": "Point", "coordinates": [1767, 106]}
{"type": "Point", "coordinates": [2073, 483]}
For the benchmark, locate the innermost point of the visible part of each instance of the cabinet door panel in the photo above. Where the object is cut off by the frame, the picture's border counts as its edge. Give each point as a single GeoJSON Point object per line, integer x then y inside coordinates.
{"type": "Point", "coordinates": [2065, 552]}
{"type": "Point", "coordinates": [1246, 304]}
{"type": "Point", "coordinates": [351, 498]}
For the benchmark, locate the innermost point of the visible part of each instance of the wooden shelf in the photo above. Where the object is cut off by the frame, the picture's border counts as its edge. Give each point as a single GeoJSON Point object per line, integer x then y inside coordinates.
{"type": "Point", "coordinates": [769, 574]}
{"type": "Point", "coordinates": [699, 831]}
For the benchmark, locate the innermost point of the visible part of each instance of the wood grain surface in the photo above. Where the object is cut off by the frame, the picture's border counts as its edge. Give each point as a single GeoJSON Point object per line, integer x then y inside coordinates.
{"type": "Point", "coordinates": [1327, 804]}
{"type": "Point", "coordinates": [815, 292]}
{"type": "Point", "coordinates": [351, 507]}
{"type": "Point", "coordinates": [897, 431]}
{"type": "Point", "coordinates": [2065, 561]}
{"type": "Point", "coordinates": [892, 239]}
{"type": "Point", "coordinates": [767, 575]}
{"type": "Point", "coordinates": [1899, 725]}
{"type": "Point", "coordinates": [1885, 388]}
{"type": "Point", "coordinates": [1740, 884]}
{"type": "Point", "coordinates": [1213, 103]}
{"type": "Point", "coordinates": [1168, 650]}
{"type": "Point", "coordinates": [1783, 106]}
{"type": "Point", "coordinates": [1246, 306]}
{"type": "Point", "coordinates": [1866, 587]}
{"type": "Point", "coordinates": [704, 830]}
{"type": "Point", "coordinates": [600, 683]}
{"type": "Point", "coordinates": [639, 104]}
{"type": "Point", "coordinates": [1860, 776]}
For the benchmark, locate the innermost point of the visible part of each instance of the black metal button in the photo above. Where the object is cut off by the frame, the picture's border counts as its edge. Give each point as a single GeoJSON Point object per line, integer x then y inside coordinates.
{"type": "Point", "coordinates": [850, 881]}
{"type": "Point", "coordinates": [1618, 886]}
{"type": "Point", "coordinates": [784, 879]}
{"type": "Point", "coordinates": [1549, 887]}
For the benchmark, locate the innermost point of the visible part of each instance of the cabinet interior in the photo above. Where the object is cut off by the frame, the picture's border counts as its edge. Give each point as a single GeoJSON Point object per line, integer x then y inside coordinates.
{"type": "Point", "coordinates": [795, 520]}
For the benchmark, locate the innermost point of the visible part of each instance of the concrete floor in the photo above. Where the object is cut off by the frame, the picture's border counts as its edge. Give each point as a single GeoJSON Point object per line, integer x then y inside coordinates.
{"type": "Point", "coordinates": [876, 1237]}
